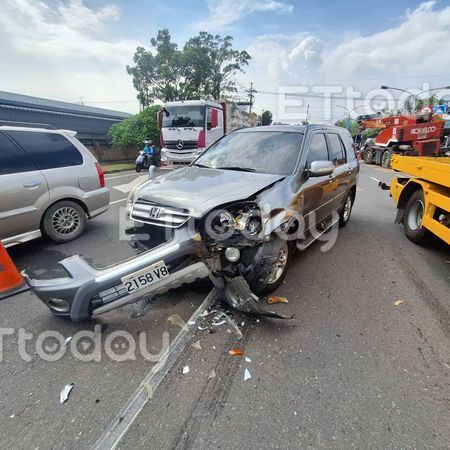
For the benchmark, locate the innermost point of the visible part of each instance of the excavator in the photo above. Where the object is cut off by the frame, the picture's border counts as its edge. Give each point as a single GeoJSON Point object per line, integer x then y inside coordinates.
{"type": "Point", "coordinates": [407, 135]}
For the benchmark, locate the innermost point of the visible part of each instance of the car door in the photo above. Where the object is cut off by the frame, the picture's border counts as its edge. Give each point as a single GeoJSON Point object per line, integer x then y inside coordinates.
{"type": "Point", "coordinates": [338, 157]}
{"type": "Point", "coordinates": [318, 192]}
{"type": "Point", "coordinates": [23, 191]}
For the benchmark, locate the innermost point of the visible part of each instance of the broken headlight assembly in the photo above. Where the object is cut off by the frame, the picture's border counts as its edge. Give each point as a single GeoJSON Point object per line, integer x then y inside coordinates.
{"type": "Point", "coordinates": [243, 218]}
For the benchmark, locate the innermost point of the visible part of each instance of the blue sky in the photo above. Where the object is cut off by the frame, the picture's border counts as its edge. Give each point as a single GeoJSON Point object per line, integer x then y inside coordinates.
{"type": "Point", "coordinates": [67, 49]}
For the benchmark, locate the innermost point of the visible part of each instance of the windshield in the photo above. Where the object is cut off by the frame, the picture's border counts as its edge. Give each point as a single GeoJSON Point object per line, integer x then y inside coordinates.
{"type": "Point", "coordinates": [184, 116]}
{"type": "Point", "coordinates": [271, 152]}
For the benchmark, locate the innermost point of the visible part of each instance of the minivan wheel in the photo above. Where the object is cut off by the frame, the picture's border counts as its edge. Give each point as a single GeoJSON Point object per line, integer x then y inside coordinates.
{"type": "Point", "coordinates": [344, 215]}
{"type": "Point", "coordinates": [64, 221]}
{"type": "Point", "coordinates": [412, 219]}
{"type": "Point", "coordinates": [267, 266]}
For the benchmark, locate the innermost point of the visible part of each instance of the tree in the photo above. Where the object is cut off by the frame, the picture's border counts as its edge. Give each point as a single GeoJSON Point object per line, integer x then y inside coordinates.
{"type": "Point", "coordinates": [351, 125]}
{"type": "Point", "coordinates": [157, 76]}
{"type": "Point", "coordinates": [132, 132]}
{"type": "Point", "coordinates": [203, 69]}
{"type": "Point", "coordinates": [210, 62]}
{"type": "Point", "coordinates": [266, 118]}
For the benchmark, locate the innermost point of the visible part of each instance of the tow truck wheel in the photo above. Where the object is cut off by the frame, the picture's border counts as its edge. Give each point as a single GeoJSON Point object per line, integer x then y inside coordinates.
{"type": "Point", "coordinates": [368, 156]}
{"type": "Point", "coordinates": [412, 220]}
{"type": "Point", "coordinates": [386, 159]}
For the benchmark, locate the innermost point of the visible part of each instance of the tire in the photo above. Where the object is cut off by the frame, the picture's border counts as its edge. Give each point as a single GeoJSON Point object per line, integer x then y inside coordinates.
{"type": "Point", "coordinates": [412, 219]}
{"type": "Point", "coordinates": [138, 168]}
{"type": "Point", "coordinates": [64, 221]}
{"type": "Point", "coordinates": [260, 265]}
{"type": "Point", "coordinates": [368, 156]}
{"type": "Point", "coordinates": [346, 211]}
{"type": "Point", "coordinates": [386, 159]}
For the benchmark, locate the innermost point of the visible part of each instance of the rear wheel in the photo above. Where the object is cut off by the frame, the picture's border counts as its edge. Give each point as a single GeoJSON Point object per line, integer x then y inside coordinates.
{"type": "Point", "coordinates": [386, 159]}
{"type": "Point", "coordinates": [64, 221]}
{"type": "Point", "coordinates": [368, 156]}
{"type": "Point", "coordinates": [412, 220]}
{"type": "Point", "coordinates": [344, 215]}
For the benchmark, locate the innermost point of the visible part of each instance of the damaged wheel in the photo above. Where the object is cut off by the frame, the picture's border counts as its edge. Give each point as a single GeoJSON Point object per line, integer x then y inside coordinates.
{"type": "Point", "coordinates": [267, 265]}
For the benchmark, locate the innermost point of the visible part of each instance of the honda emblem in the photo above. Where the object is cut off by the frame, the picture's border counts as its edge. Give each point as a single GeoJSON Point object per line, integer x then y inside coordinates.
{"type": "Point", "coordinates": [154, 213]}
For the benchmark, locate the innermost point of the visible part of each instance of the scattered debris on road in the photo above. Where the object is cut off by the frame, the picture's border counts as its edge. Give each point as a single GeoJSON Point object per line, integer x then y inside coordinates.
{"type": "Point", "coordinates": [66, 390]}
{"type": "Point", "coordinates": [236, 352]}
{"type": "Point", "coordinates": [149, 389]}
{"type": "Point", "coordinates": [175, 319]}
{"type": "Point", "coordinates": [212, 375]}
{"type": "Point", "coordinates": [68, 339]}
{"type": "Point", "coordinates": [197, 345]}
{"type": "Point", "coordinates": [399, 302]}
{"type": "Point", "coordinates": [275, 299]}
{"type": "Point", "coordinates": [185, 370]}
{"type": "Point", "coordinates": [247, 375]}
{"type": "Point", "coordinates": [247, 359]}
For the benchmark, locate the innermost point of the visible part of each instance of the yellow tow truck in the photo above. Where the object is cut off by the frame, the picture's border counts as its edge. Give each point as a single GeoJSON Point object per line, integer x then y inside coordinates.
{"type": "Point", "coordinates": [422, 195]}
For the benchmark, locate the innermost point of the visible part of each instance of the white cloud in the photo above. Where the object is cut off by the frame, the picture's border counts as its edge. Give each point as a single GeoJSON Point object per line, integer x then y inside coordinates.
{"type": "Point", "coordinates": [417, 46]}
{"type": "Point", "coordinates": [412, 55]}
{"type": "Point", "coordinates": [64, 52]}
{"type": "Point", "coordinates": [222, 13]}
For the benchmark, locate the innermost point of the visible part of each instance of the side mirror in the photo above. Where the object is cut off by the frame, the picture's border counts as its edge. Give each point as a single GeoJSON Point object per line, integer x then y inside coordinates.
{"type": "Point", "coordinates": [321, 168]}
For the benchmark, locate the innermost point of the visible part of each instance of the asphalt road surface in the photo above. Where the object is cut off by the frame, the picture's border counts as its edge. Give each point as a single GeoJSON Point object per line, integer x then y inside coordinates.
{"type": "Point", "coordinates": [352, 369]}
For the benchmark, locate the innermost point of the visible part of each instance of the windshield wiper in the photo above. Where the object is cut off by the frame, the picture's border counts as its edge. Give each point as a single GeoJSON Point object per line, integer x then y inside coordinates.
{"type": "Point", "coordinates": [241, 169]}
{"type": "Point", "coordinates": [201, 165]}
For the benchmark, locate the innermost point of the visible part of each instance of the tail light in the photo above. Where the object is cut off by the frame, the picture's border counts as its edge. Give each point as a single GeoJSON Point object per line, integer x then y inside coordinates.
{"type": "Point", "coordinates": [101, 175]}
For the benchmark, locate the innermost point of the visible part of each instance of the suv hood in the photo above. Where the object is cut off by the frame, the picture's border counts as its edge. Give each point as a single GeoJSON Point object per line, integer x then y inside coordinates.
{"type": "Point", "coordinates": [199, 190]}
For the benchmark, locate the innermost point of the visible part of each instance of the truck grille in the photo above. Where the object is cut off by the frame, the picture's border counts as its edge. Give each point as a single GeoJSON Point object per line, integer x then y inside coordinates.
{"type": "Point", "coordinates": [181, 146]}
{"type": "Point", "coordinates": [160, 215]}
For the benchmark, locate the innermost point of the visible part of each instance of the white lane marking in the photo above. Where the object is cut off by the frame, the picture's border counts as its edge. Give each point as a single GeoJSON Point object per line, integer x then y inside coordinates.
{"type": "Point", "coordinates": [112, 436]}
{"type": "Point", "coordinates": [375, 179]}
{"type": "Point", "coordinates": [121, 176]}
{"type": "Point", "coordinates": [128, 186]}
{"type": "Point", "coordinates": [117, 201]}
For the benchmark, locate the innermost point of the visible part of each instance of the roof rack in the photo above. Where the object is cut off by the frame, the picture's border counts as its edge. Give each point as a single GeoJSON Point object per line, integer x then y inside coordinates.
{"type": "Point", "coordinates": [27, 124]}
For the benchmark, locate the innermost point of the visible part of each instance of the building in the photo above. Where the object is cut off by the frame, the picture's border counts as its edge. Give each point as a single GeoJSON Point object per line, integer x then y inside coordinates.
{"type": "Point", "coordinates": [91, 124]}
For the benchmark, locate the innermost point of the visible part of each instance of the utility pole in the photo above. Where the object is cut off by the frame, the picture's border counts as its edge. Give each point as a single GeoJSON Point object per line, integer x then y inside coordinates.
{"type": "Point", "coordinates": [251, 96]}
{"type": "Point", "coordinates": [307, 113]}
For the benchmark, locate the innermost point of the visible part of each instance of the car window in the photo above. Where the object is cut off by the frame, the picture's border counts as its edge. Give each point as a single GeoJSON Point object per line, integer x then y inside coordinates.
{"type": "Point", "coordinates": [48, 150]}
{"type": "Point", "coordinates": [272, 152]}
{"type": "Point", "coordinates": [337, 151]}
{"type": "Point", "coordinates": [350, 147]}
{"type": "Point", "coordinates": [12, 159]}
{"type": "Point", "coordinates": [317, 149]}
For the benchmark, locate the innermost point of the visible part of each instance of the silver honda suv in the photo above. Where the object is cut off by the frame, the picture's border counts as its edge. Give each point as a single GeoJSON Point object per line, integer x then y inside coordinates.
{"type": "Point", "coordinates": [50, 185]}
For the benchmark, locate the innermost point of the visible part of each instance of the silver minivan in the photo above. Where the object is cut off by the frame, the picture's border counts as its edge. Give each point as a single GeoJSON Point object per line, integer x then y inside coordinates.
{"type": "Point", "coordinates": [50, 184]}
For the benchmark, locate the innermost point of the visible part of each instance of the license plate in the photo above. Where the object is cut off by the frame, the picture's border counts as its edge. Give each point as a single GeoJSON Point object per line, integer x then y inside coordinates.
{"type": "Point", "coordinates": [145, 277]}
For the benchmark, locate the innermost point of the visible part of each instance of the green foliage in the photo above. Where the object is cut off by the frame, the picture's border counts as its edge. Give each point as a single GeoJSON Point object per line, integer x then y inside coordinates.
{"type": "Point", "coordinates": [266, 118]}
{"type": "Point", "coordinates": [351, 125]}
{"type": "Point", "coordinates": [204, 68]}
{"type": "Point", "coordinates": [132, 132]}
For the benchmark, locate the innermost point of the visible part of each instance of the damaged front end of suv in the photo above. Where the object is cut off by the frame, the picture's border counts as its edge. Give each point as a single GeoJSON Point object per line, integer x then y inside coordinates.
{"type": "Point", "coordinates": [234, 215]}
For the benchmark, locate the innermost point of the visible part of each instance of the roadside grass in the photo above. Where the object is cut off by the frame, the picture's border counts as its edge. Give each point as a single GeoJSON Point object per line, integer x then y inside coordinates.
{"type": "Point", "coordinates": [117, 166]}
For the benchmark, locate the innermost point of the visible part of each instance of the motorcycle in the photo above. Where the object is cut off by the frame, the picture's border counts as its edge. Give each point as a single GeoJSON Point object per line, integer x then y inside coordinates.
{"type": "Point", "coordinates": [142, 161]}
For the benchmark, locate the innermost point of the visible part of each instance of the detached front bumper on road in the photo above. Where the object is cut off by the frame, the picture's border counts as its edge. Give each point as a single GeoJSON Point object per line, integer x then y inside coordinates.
{"type": "Point", "coordinates": [89, 291]}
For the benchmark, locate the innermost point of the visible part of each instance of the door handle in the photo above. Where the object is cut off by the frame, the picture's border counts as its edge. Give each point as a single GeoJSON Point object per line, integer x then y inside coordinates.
{"type": "Point", "coordinates": [32, 184]}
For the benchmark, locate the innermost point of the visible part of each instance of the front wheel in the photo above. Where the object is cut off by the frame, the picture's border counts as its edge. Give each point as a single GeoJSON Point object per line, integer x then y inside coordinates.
{"type": "Point", "coordinates": [412, 220]}
{"type": "Point", "coordinates": [64, 221]}
{"type": "Point", "coordinates": [138, 168]}
{"type": "Point", "coordinates": [267, 265]}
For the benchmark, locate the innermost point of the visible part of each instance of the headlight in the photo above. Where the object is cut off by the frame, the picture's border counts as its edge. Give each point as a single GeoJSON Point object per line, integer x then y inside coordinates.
{"type": "Point", "coordinates": [242, 217]}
